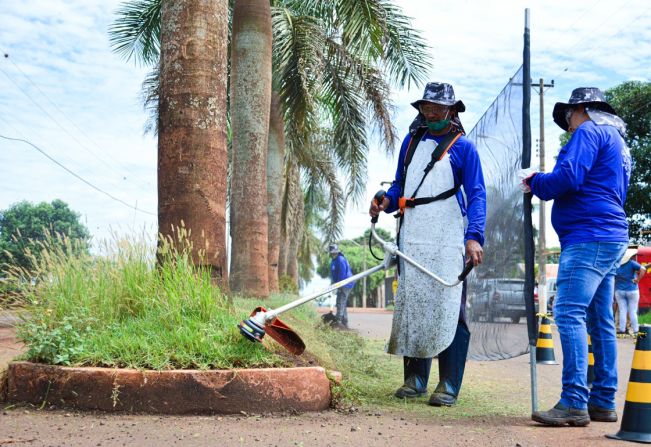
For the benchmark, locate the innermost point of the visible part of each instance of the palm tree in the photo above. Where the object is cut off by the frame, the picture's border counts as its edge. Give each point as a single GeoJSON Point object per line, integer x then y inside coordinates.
{"type": "Point", "coordinates": [332, 59]}
{"type": "Point", "coordinates": [250, 106]}
{"type": "Point", "coordinates": [332, 62]}
{"type": "Point", "coordinates": [192, 147]}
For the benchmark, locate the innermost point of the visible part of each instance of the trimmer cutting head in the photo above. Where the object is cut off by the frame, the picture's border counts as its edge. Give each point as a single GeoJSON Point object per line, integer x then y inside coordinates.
{"type": "Point", "coordinates": [251, 330]}
{"type": "Point", "coordinates": [255, 328]}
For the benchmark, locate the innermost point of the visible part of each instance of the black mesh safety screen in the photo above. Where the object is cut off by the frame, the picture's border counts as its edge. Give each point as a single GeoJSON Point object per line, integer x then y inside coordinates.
{"type": "Point", "coordinates": [497, 312]}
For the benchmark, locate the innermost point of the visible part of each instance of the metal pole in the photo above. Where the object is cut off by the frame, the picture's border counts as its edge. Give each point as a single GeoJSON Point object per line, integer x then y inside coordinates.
{"type": "Point", "coordinates": [364, 280]}
{"type": "Point", "coordinates": [528, 228]}
{"type": "Point", "coordinates": [542, 268]}
{"type": "Point", "coordinates": [273, 313]}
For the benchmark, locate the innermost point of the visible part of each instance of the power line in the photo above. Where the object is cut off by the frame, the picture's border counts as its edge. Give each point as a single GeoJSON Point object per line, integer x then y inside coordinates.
{"type": "Point", "coordinates": [36, 103]}
{"type": "Point", "coordinates": [76, 175]}
{"type": "Point", "coordinates": [582, 14]}
{"type": "Point", "coordinates": [593, 42]}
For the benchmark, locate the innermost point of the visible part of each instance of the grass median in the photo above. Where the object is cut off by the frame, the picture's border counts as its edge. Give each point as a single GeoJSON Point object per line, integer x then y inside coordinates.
{"type": "Point", "coordinates": [121, 309]}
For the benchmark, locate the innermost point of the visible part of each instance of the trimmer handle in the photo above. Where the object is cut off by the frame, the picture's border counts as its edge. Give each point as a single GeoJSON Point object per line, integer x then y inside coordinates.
{"type": "Point", "coordinates": [466, 271]}
{"type": "Point", "coordinates": [378, 198]}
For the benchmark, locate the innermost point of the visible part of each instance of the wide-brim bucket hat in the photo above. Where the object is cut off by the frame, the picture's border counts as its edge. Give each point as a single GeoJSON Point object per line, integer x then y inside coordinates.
{"type": "Point", "coordinates": [585, 96]}
{"type": "Point", "coordinates": [628, 255]}
{"type": "Point", "coordinates": [440, 93]}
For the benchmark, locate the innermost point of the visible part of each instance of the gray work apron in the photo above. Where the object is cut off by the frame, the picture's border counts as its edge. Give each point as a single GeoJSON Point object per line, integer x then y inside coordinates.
{"type": "Point", "coordinates": [426, 313]}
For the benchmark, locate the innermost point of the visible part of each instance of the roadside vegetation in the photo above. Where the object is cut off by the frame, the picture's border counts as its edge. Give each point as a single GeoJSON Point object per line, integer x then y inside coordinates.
{"type": "Point", "coordinates": [122, 310]}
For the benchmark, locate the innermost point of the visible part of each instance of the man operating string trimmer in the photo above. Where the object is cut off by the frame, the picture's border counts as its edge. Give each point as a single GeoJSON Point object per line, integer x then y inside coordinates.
{"type": "Point", "coordinates": [435, 161]}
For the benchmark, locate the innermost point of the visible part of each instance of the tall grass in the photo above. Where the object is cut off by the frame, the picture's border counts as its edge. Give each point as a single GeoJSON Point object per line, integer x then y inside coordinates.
{"type": "Point", "coordinates": [122, 309]}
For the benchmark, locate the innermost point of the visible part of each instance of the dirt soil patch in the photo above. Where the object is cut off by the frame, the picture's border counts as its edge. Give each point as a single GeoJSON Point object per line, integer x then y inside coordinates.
{"type": "Point", "coordinates": [31, 426]}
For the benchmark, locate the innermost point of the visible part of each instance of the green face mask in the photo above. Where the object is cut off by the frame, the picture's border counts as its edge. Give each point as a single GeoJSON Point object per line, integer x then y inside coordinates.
{"type": "Point", "coordinates": [437, 126]}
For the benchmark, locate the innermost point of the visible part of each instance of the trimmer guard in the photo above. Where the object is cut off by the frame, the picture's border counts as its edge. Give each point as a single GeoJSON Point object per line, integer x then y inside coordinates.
{"type": "Point", "coordinates": [283, 334]}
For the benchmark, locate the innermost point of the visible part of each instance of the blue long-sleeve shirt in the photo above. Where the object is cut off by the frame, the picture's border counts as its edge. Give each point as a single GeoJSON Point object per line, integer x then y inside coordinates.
{"type": "Point", "coordinates": [467, 172]}
{"type": "Point", "coordinates": [340, 270]}
{"type": "Point", "coordinates": [588, 185]}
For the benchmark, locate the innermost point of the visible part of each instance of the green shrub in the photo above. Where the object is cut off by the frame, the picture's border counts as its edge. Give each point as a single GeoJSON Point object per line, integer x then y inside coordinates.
{"type": "Point", "coordinates": [287, 285]}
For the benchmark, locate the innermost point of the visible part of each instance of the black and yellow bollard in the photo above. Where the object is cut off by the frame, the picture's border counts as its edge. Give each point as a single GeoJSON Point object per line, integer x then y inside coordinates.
{"type": "Point", "coordinates": [636, 421]}
{"type": "Point", "coordinates": [545, 343]}
{"type": "Point", "coordinates": [590, 363]}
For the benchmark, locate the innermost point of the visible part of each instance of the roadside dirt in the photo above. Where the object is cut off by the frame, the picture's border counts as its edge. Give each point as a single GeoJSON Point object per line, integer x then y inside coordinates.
{"type": "Point", "coordinates": [31, 426]}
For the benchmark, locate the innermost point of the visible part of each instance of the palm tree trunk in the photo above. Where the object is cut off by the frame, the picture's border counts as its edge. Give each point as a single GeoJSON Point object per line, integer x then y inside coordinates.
{"type": "Point", "coordinates": [295, 242]}
{"type": "Point", "coordinates": [192, 147]}
{"type": "Point", "coordinates": [296, 221]}
{"type": "Point", "coordinates": [250, 106]}
{"type": "Point", "coordinates": [275, 181]}
{"type": "Point", "coordinates": [282, 255]}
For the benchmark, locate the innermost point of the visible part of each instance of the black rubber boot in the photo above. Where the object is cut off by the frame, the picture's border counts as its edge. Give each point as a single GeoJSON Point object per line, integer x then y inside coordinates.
{"type": "Point", "coordinates": [416, 376]}
{"type": "Point", "coordinates": [452, 363]}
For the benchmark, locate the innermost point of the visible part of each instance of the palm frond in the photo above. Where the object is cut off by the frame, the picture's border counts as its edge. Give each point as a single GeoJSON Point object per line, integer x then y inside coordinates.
{"type": "Point", "coordinates": [407, 57]}
{"type": "Point", "coordinates": [321, 180]}
{"type": "Point", "coordinates": [370, 80]}
{"type": "Point", "coordinates": [149, 96]}
{"type": "Point", "coordinates": [136, 31]}
{"type": "Point", "coordinates": [297, 60]}
{"type": "Point", "coordinates": [345, 103]}
{"type": "Point", "coordinates": [362, 24]}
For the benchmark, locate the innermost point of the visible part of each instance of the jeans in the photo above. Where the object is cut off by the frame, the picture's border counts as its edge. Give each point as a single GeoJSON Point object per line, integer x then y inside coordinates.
{"type": "Point", "coordinates": [627, 301]}
{"type": "Point", "coordinates": [342, 305]}
{"type": "Point", "coordinates": [585, 285]}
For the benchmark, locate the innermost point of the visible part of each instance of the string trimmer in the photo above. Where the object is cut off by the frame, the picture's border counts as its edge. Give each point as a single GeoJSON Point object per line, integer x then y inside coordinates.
{"type": "Point", "coordinates": [263, 321]}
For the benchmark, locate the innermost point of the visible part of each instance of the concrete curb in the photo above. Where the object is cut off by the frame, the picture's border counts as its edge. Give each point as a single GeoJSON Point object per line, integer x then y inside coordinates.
{"type": "Point", "coordinates": [171, 392]}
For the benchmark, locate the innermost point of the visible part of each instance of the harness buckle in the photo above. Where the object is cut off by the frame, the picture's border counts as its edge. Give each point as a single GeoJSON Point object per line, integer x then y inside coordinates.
{"type": "Point", "coordinates": [404, 202]}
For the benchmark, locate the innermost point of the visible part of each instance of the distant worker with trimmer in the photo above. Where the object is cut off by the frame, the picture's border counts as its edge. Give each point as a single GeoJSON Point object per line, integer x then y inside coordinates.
{"type": "Point", "coordinates": [436, 161]}
{"type": "Point", "coordinates": [340, 270]}
{"type": "Point", "coordinates": [588, 185]}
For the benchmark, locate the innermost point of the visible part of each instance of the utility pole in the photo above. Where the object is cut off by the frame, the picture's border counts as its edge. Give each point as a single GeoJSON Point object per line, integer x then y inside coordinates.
{"type": "Point", "coordinates": [364, 280]}
{"type": "Point", "coordinates": [542, 273]}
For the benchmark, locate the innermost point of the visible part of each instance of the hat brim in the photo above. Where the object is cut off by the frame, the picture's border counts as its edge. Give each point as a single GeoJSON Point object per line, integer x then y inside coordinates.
{"type": "Point", "coordinates": [560, 107]}
{"type": "Point", "coordinates": [459, 106]}
{"type": "Point", "coordinates": [628, 255]}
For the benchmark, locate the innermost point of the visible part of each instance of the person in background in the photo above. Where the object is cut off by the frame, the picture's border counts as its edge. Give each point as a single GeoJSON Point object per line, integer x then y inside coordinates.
{"type": "Point", "coordinates": [627, 292]}
{"type": "Point", "coordinates": [588, 185]}
{"type": "Point", "coordinates": [340, 270]}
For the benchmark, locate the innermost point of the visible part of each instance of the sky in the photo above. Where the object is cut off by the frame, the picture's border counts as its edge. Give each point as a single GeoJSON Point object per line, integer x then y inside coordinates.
{"type": "Point", "coordinates": [63, 90]}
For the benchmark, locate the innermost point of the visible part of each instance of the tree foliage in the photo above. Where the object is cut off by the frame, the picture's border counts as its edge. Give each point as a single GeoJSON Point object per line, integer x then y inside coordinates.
{"type": "Point", "coordinates": [25, 226]}
{"type": "Point", "coordinates": [632, 100]}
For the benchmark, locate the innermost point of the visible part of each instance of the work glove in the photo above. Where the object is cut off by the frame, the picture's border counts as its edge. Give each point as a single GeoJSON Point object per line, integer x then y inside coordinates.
{"type": "Point", "coordinates": [523, 176]}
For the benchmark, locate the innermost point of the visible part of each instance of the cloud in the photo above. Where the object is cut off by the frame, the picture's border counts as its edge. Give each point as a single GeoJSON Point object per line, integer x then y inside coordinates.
{"type": "Point", "coordinates": [63, 49]}
{"type": "Point", "coordinates": [477, 46]}
{"type": "Point", "coordinates": [62, 89]}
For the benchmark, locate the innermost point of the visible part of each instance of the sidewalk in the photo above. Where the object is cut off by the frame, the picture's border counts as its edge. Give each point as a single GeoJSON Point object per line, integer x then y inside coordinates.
{"type": "Point", "coordinates": [357, 310]}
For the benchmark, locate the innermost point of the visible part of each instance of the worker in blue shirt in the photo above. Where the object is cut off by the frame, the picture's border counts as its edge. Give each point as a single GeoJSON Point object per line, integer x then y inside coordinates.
{"type": "Point", "coordinates": [627, 292]}
{"type": "Point", "coordinates": [340, 270]}
{"type": "Point", "coordinates": [588, 185]}
{"type": "Point", "coordinates": [435, 162]}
